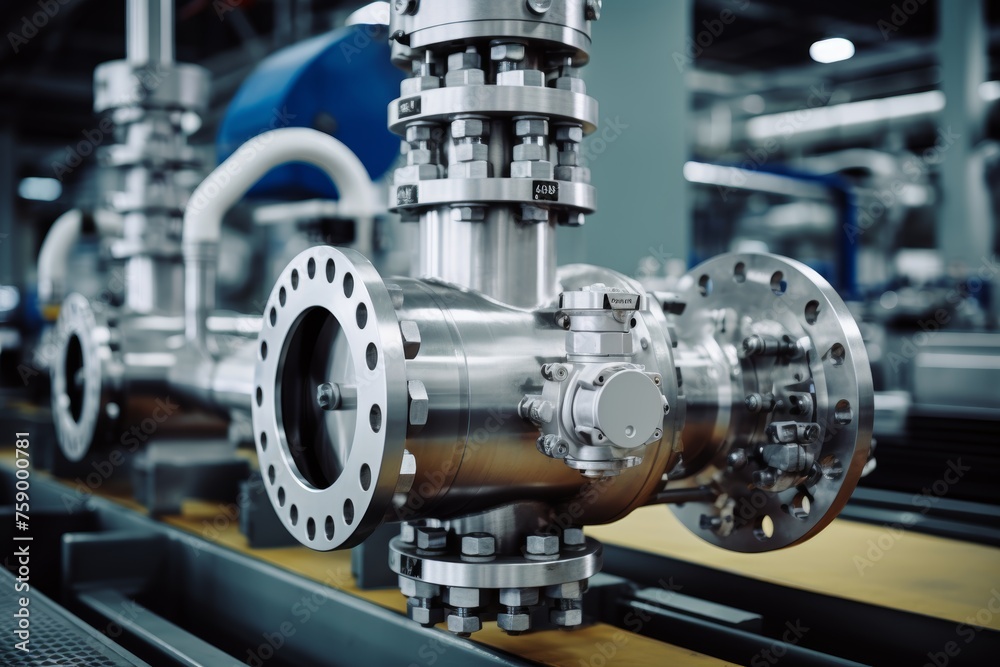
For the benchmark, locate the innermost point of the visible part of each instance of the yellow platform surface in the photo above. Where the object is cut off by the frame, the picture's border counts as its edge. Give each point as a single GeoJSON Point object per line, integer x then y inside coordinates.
{"type": "Point", "coordinates": [894, 568]}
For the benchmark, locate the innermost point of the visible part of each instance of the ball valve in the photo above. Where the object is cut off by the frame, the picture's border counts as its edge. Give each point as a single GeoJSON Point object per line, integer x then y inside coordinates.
{"type": "Point", "coordinates": [497, 405]}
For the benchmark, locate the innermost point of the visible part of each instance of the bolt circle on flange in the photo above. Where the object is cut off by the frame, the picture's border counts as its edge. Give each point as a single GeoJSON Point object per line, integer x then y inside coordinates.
{"type": "Point", "coordinates": [331, 413]}
{"type": "Point", "coordinates": [81, 348]}
{"type": "Point", "coordinates": [762, 294]}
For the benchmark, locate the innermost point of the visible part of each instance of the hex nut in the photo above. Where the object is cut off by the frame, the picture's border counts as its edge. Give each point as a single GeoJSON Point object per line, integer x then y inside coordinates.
{"type": "Point", "coordinates": [468, 59]}
{"type": "Point", "coordinates": [456, 596]}
{"type": "Point", "coordinates": [415, 173]}
{"type": "Point", "coordinates": [541, 411]}
{"type": "Point", "coordinates": [539, 6]}
{"type": "Point", "coordinates": [528, 152]}
{"type": "Point", "coordinates": [419, 403]}
{"type": "Point", "coordinates": [431, 539]}
{"type": "Point", "coordinates": [571, 590]}
{"type": "Point", "coordinates": [468, 213]}
{"type": "Point", "coordinates": [572, 174]}
{"type": "Point", "coordinates": [418, 132]}
{"type": "Point", "coordinates": [474, 169]}
{"type": "Point", "coordinates": [478, 544]}
{"type": "Point", "coordinates": [524, 127]}
{"type": "Point", "coordinates": [519, 597]}
{"type": "Point", "coordinates": [511, 52]}
{"type": "Point", "coordinates": [521, 77]}
{"type": "Point", "coordinates": [572, 133]}
{"type": "Point", "coordinates": [464, 625]}
{"type": "Point", "coordinates": [571, 219]}
{"type": "Point", "coordinates": [569, 159]}
{"type": "Point", "coordinates": [531, 214]}
{"type": "Point", "coordinates": [414, 85]}
{"type": "Point", "coordinates": [514, 622]}
{"type": "Point", "coordinates": [566, 617]}
{"type": "Point", "coordinates": [414, 588]}
{"type": "Point", "coordinates": [419, 156]}
{"type": "Point", "coordinates": [465, 77]}
{"type": "Point", "coordinates": [593, 10]}
{"type": "Point", "coordinates": [574, 537]}
{"type": "Point", "coordinates": [396, 293]}
{"type": "Point", "coordinates": [469, 127]}
{"type": "Point", "coordinates": [571, 83]}
{"type": "Point", "coordinates": [425, 616]}
{"type": "Point", "coordinates": [470, 152]}
{"type": "Point", "coordinates": [411, 338]}
{"type": "Point", "coordinates": [543, 545]}
{"type": "Point", "coordinates": [541, 169]}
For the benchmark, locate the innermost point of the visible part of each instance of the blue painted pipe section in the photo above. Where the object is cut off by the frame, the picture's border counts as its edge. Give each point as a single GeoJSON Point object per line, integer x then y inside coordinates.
{"type": "Point", "coordinates": [844, 275]}
{"type": "Point", "coordinates": [845, 280]}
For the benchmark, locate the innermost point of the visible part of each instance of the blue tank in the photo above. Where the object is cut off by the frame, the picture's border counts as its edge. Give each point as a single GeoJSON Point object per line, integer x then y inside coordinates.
{"type": "Point", "coordinates": [341, 83]}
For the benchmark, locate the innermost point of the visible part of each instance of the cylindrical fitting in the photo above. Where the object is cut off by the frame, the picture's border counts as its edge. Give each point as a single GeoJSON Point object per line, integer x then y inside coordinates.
{"type": "Point", "coordinates": [472, 436]}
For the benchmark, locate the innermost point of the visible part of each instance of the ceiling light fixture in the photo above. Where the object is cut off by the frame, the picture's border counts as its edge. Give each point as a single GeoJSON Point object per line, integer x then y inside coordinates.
{"type": "Point", "coordinates": [831, 50]}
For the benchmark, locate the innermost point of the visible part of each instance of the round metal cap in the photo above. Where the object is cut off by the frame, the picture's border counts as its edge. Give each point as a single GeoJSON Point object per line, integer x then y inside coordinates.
{"type": "Point", "coordinates": [330, 404]}
{"type": "Point", "coordinates": [628, 408]}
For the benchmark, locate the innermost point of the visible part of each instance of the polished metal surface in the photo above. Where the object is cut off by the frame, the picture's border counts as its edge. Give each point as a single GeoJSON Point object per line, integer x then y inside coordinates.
{"type": "Point", "coordinates": [494, 404]}
{"type": "Point", "coordinates": [150, 31]}
{"type": "Point", "coordinates": [330, 470]}
{"type": "Point", "coordinates": [439, 192]}
{"type": "Point", "coordinates": [501, 572]}
{"type": "Point", "coordinates": [563, 24]}
{"type": "Point", "coordinates": [793, 389]}
{"type": "Point", "coordinates": [470, 434]}
{"type": "Point", "coordinates": [443, 104]}
{"type": "Point", "coordinates": [450, 445]}
{"type": "Point", "coordinates": [492, 118]}
{"type": "Point", "coordinates": [153, 104]}
{"type": "Point", "coordinates": [598, 409]}
{"type": "Point", "coordinates": [512, 262]}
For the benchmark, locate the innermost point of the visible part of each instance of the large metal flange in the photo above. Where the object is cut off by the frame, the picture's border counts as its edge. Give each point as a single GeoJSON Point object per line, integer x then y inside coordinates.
{"type": "Point", "coordinates": [503, 571]}
{"type": "Point", "coordinates": [81, 389]}
{"type": "Point", "coordinates": [444, 104]}
{"type": "Point", "coordinates": [734, 304]}
{"type": "Point", "coordinates": [330, 404]}
{"type": "Point", "coordinates": [561, 25]}
{"type": "Point", "coordinates": [581, 197]}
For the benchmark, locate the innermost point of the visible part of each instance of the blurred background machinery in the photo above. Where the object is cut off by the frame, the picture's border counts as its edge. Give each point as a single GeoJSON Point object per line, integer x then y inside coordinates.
{"type": "Point", "coordinates": [858, 139]}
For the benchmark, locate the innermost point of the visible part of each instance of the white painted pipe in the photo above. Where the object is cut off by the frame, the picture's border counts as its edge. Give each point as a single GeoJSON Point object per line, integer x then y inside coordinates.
{"type": "Point", "coordinates": [54, 255]}
{"type": "Point", "coordinates": [62, 237]}
{"type": "Point", "coordinates": [231, 180]}
{"type": "Point", "coordinates": [227, 184]}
